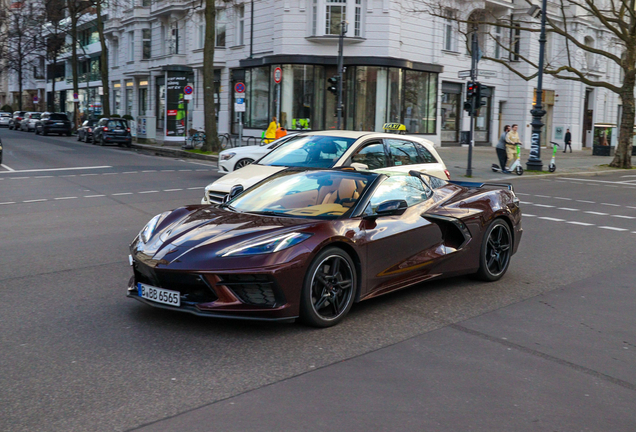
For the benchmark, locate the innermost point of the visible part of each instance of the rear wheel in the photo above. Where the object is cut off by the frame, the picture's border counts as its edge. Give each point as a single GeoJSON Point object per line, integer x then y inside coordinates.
{"type": "Point", "coordinates": [519, 170]}
{"type": "Point", "coordinates": [328, 289]}
{"type": "Point", "coordinates": [496, 249]}
{"type": "Point", "coordinates": [100, 141]}
{"type": "Point", "coordinates": [552, 167]}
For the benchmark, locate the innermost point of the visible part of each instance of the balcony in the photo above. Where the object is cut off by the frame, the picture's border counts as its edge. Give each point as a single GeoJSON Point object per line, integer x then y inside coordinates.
{"type": "Point", "coordinates": [169, 7]}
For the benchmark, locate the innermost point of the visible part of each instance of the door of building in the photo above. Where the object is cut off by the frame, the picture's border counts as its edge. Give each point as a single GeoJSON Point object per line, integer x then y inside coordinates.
{"type": "Point", "coordinates": [451, 112]}
{"type": "Point", "coordinates": [588, 118]}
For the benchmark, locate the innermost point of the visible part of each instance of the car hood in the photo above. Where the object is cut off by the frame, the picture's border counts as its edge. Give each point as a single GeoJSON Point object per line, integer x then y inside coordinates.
{"type": "Point", "coordinates": [246, 177]}
{"type": "Point", "coordinates": [254, 150]}
{"type": "Point", "coordinates": [192, 236]}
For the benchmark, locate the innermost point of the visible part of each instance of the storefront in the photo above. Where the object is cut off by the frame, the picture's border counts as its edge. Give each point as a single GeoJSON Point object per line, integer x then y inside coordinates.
{"type": "Point", "coordinates": [172, 109]}
{"type": "Point", "coordinates": [386, 90]}
{"type": "Point", "coordinates": [451, 113]}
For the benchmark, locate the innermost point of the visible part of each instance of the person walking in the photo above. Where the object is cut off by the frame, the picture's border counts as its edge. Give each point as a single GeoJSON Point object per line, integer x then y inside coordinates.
{"type": "Point", "coordinates": [512, 140]}
{"type": "Point", "coordinates": [568, 140]}
{"type": "Point", "coordinates": [270, 133]}
{"type": "Point", "coordinates": [501, 150]}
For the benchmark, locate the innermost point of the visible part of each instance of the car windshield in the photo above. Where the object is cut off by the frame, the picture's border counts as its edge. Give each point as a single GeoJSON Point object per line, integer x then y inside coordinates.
{"type": "Point", "coordinates": [5, 115]}
{"type": "Point", "coordinates": [315, 151]}
{"type": "Point", "coordinates": [35, 115]}
{"type": "Point", "coordinates": [58, 117]}
{"type": "Point", "coordinates": [307, 194]}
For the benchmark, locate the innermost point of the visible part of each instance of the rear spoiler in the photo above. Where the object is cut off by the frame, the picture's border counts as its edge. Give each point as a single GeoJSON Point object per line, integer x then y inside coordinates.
{"type": "Point", "coordinates": [481, 185]}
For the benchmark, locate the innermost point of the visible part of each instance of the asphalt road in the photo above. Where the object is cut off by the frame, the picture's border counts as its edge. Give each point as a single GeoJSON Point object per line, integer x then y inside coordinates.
{"type": "Point", "coordinates": [549, 347]}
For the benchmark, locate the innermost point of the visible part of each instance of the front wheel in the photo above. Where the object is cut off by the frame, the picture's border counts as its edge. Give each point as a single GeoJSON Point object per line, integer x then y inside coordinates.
{"type": "Point", "coordinates": [496, 249]}
{"type": "Point", "coordinates": [328, 289]}
{"type": "Point", "coordinates": [552, 167]}
{"type": "Point", "coordinates": [242, 163]}
{"type": "Point", "coordinates": [519, 170]}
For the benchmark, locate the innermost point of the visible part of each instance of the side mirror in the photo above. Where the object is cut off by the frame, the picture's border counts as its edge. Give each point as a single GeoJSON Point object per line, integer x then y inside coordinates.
{"type": "Point", "coordinates": [359, 166]}
{"type": "Point", "coordinates": [236, 190]}
{"type": "Point", "coordinates": [391, 208]}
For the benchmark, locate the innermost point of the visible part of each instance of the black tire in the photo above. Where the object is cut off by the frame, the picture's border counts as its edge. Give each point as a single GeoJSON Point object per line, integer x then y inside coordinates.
{"type": "Point", "coordinates": [317, 305]}
{"type": "Point", "coordinates": [100, 142]}
{"type": "Point", "coordinates": [79, 137]}
{"type": "Point", "coordinates": [44, 133]}
{"type": "Point", "coordinates": [496, 250]}
{"type": "Point", "coordinates": [243, 162]}
{"type": "Point", "coordinates": [519, 170]}
{"type": "Point", "coordinates": [552, 167]}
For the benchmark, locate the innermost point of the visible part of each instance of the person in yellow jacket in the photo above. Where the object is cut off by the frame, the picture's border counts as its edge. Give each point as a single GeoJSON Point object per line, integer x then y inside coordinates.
{"type": "Point", "coordinates": [512, 139]}
{"type": "Point", "coordinates": [270, 133]}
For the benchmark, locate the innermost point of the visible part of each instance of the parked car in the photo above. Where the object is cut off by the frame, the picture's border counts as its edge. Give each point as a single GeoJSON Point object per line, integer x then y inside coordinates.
{"type": "Point", "coordinates": [17, 117]}
{"type": "Point", "coordinates": [53, 123]}
{"type": "Point", "coordinates": [333, 149]}
{"type": "Point", "coordinates": [112, 130]}
{"type": "Point", "coordinates": [28, 122]}
{"type": "Point", "coordinates": [237, 157]}
{"type": "Point", "coordinates": [310, 243]}
{"type": "Point", "coordinates": [85, 131]}
{"type": "Point", "coordinates": [5, 119]}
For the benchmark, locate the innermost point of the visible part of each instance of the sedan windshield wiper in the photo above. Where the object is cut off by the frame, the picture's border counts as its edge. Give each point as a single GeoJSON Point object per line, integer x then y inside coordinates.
{"type": "Point", "coordinates": [268, 213]}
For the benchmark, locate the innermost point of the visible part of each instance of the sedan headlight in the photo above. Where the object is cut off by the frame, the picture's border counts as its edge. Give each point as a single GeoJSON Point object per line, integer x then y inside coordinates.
{"type": "Point", "coordinates": [227, 156]}
{"type": "Point", "coordinates": [269, 245]}
{"type": "Point", "coordinates": [146, 233]}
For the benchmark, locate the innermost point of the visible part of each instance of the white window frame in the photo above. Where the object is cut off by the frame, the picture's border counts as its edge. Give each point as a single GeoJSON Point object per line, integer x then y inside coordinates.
{"type": "Point", "coordinates": [498, 41]}
{"type": "Point", "coordinates": [320, 20]}
{"type": "Point", "coordinates": [240, 25]}
{"type": "Point", "coordinates": [220, 23]}
{"type": "Point", "coordinates": [115, 53]}
{"type": "Point", "coordinates": [131, 46]}
{"type": "Point", "coordinates": [449, 36]}
{"type": "Point", "coordinates": [201, 34]}
{"type": "Point", "coordinates": [146, 32]}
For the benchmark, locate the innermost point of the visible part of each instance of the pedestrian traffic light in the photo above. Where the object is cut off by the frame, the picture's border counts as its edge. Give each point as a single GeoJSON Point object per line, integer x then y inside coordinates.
{"type": "Point", "coordinates": [333, 84]}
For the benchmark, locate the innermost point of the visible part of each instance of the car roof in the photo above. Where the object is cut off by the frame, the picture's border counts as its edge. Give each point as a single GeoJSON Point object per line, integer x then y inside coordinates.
{"type": "Point", "coordinates": [341, 133]}
{"type": "Point", "coordinates": [368, 134]}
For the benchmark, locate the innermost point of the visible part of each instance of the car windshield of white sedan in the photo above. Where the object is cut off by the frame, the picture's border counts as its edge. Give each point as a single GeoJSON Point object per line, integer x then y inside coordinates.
{"type": "Point", "coordinates": [315, 151]}
{"type": "Point", "coordinates": [313, 194]}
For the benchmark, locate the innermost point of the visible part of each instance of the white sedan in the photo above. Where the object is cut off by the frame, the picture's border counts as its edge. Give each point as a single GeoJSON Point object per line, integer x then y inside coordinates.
{"type": "Point", "coordinates": [332, 149]}
{"type": "Point", "coordinates": [238, 157]}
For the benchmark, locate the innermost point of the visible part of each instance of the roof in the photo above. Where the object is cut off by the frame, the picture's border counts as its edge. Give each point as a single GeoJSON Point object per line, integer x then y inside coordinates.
{"type": "Point", "coordinates": [368, 134]}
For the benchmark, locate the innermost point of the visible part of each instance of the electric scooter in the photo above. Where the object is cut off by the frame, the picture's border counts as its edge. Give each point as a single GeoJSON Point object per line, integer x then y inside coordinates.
{"type": "Point", "coordinates": [552, 166]}
{"type": "Point", "coordinates": [514, 167]}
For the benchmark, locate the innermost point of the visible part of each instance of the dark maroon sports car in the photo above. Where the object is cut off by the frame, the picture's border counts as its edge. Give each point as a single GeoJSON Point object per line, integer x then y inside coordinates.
{"type": "Point", "coordinates": [309, 243]}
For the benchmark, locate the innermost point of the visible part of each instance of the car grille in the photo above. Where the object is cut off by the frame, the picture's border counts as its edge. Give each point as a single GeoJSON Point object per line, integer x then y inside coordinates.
{"type": "Point", "coordinates": [192, 287]}
{"type": "Point", "coordinates": [258, 290]}
{"type": "Point", "coordinates": [216, 197]}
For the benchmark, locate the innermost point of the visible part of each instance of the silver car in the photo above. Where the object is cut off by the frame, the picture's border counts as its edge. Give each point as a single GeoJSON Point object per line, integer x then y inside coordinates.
{"type": "Point", "coordinates": [5, 117]}
{"type": "Point", "coordinates": [28, 123]}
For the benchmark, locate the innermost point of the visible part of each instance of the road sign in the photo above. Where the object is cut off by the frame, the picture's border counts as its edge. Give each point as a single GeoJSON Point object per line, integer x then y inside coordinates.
{"type": "Point", "coordinates": [35, 98]}
{"type": "Point", "coordinates": [187, 97]}
{"type": "Point", "coordinates": [188, 90]}
{"type": "Point", "coordinates": [239, 107]}
{"type": "Point", "coordinates": [481, 73]}
{"type": "Point", "coordinates": [278, 75]}
{"type": "Point", "coordinates": [239, 87]}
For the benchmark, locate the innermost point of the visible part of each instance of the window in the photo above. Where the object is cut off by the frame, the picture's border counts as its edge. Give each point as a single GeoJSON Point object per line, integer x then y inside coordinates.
{"type": "Point", "coordinates": [131, 46]}
{"type": "Point", "coordinates": [221, 24]}
{"type": "Point", "coordinates": [372, 155]}
{"type": "Point", "coordinates": [146, 43]}
{"type": "Point", "coordinates": [143, 100]}
{"type": "Point", "coordinates": [404, 153]}
{"type": "Point", "coordinates": [314, 17]}
{"type": "Point", "coordinates": [335, 13]}
{"type": "Point", "coordinates": [146, 3]}
{"type": "Point", "coordinates": [240, 25]}
{"type": "Point", "coordinates": [115, 53]}
{"type": "Point", "coordinates": [515, 39]}
{"type": "Point", "coordinates": [129, 100]}
{"type": "Point", "coordinates": [202, 35]}
{"type": "Point", "coordinates": [426, 155]}
{"type": "Point", "coordinates": [420, 102]}
{"type": "Point", "coordinates": [38, 71]}
{"type": "Point", "coordinates": [174, 40]}
{"type": "Point", "coordinates": [449, 30]}
{"type": "Point", "coordinates": [589, 57]}
{"type": "Point", "coordinates": [497, 42]}
{"type": "Point", "coordinates": [407, 188]}
{"type": "Point", "coordinates": [358, 19]}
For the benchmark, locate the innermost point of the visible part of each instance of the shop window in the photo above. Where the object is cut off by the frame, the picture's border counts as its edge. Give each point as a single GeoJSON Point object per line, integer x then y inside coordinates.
{"type": "Point", "coordinates": [143, 100]}
{"type": "Point", "coordinates": [420, 102]}
{"type": "Point", "coordinates": [482, 121]}
{"type": "Point", "coordinates": [117, 100]}
{"type": "Point", "coordinates": [366, 94]}
{"type": "Point", "coordinates": [257, 83]}
{"type": "Point", "coordinates": [129, 101]}
{"type": "Point", "coordinates": [298, 109]}
{"type": "Point", "coordinates": [220, 27]}
{"type": "Point", "coordinates": [146, 43]}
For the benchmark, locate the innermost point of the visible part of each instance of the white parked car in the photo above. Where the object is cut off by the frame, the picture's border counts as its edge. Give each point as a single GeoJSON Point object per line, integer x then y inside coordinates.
{"type": "Point", "coordinates": [330, 149]}
{"type": "Point", "coordinates": [28, 122]}
{"type": "Point", "coordinates": [235, 158]}
{"type": "Point", "coordinates": [5, 117]}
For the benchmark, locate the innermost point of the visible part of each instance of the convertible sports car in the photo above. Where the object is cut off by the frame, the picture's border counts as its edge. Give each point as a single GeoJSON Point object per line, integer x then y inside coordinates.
{"type": "Point", "coordinates": [309, 243]}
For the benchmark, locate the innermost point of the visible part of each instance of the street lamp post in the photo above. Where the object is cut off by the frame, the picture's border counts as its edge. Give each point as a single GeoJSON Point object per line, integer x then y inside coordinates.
{"type": "Point", "coordinates": [343, 31]}
{"type": "Point", "coordinates": [534, 160]}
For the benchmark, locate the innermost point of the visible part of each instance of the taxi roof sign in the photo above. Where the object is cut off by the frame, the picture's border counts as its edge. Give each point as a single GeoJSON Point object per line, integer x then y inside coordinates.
{"type": "Point", "coordinates": [397, 128]}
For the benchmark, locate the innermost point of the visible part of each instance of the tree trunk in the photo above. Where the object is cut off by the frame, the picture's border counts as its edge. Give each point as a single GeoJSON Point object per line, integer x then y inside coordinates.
{"type": "Point", "coordinates": [20, 86]}
{"type": "Point", "coordinates": [74, 17]}
{"type": "Point", "coordinates": [623, 155]}
{"type": "Point", "coordinates": [209, 107]}
{"type": "Point", "coordinates": [103, 61]}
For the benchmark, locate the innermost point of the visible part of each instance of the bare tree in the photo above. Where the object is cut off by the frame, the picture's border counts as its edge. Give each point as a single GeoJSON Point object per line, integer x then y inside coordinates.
{"type": "Point", "coordinates": [20, 41]}
{"type": "Point", "coordinates": [55, 40]}
{"type": "Point", "coordinates": [209, 115]}
{"type": "Point", "coordinates": [103, 57]}
{"type": "Point", "coordinates": [614, 19]}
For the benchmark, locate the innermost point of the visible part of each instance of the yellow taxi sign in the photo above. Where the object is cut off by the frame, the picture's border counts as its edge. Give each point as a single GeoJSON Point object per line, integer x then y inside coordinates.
{"type": "Point", "coordinates": [394, 128]}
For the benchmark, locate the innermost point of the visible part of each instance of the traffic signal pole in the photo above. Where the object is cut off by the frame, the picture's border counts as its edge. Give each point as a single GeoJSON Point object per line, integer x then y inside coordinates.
{"type": "Point", "coordinates": [475, 102]}
{"type": "Point", "coordinates": [343, 30]}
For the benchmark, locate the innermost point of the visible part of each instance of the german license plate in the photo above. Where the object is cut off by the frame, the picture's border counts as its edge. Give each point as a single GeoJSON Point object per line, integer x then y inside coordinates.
{"type": "Point", "coordinates": [159, 295]}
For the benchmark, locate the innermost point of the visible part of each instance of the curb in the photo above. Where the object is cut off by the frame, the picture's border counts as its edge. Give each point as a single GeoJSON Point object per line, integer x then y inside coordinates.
{"type": "Point", "coordinates": [174, 152]}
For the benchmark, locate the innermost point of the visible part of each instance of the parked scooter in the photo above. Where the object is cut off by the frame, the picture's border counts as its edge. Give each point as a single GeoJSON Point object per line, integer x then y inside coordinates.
{"type": "Point", "coordinates": [514, 167]}
{"type": "Point", "coordinates": [552, 166]}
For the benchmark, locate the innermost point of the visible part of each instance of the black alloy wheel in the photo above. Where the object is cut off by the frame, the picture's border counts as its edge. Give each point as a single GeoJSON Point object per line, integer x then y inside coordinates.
{"type": "Point", "coordinates": [329, 289]}
{"type": "Point", "coordinates": [44, 133]}
{"type": "Point", "coordinates": [86, 137]}
{"type": "Point", "coordinates": [496, 250]}
{"type": "Point", "coordinates": [79, 137]}
{"type": "Point", "coordinates": [100, 141]}
{"type": "Point", "coordinates": [242, 163]}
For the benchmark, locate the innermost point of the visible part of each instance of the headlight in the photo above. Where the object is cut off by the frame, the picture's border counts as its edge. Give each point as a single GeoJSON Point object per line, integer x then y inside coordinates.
{"type": "Point", "coordinates": [146, 233]}
{"type": "Point", "coordinates": [227, 156]}
{"type": "Point", "coordinates": [270, 245]}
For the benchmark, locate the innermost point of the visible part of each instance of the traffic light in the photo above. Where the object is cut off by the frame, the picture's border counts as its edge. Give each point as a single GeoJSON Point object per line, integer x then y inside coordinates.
{"type": "Point", "coordinates": [333, 85]}
{"type": "Point", "coordinates": [471, 89]}
{"type": "Point", "coordinates": [468, 105]}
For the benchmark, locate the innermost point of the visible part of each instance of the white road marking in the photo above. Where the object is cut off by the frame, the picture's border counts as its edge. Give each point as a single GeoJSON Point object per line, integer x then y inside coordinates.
{"type": "Point", "coordinates": [543, 196]}
{"type": "Point", "coordinates": [19, 178]}
{"type": "Point", "coordinates": [184, 170]}
{"type": "Point", "coordinates": [568, 209]}
{"type": "Point", "coordinates": [624, 217]}
{"type": "Point", "coordinates": [150, 171]}
{"type": "Point", "coordinates": [522, 194]}
{"type": "Point", "coordinates": [598, 181]}
{"type": "Point", "coordinates": [528, 215]}
{"type": "Point", "coordinates": [130, 172]}
{"type": "Point", "coordinates": [122, 193]}
{"type": "Point", "coordinates": [71, 175]}
{"type": "Point", "coordinates": [93, 196]}
{"type": "Point", "coordinates": [172, 190]}
{"type": "Point", "coordinates": [611, 205]}
{"type": "Point", "coordinates": [561, 198]}
{"type": "Point", "coordinates": [147, 192]}
{"type": "Point", "coordinates": [167, 170]}
{"type": "Point", "coordinates": [527, 202]}
{"type": "Point", "coordinates": [193, 188]}
{"type": "Point", "coordinates": [597, 213]}
{"type": "Point", "coordinates": [7, 167]}
{"type": "Point", "coordinates": [544, 205]}
{"type": "Point", "coordinates": [65, 198]}
{"type": "Point", "coordinates": [32, 201]}
{"type": "Point", "coordinates": [84, 175]}
{"type": "Point", "coordinates": [8, 202]}
{"type": "Point", "coordinates": [43, 177]}
{"type": "Point", "coordinates": [586, 202]}
{"type": "Point", "coordinates": [580, 223]}
{"type": "Point", "coordinates": [552, 219]}
{"type": "Point", "coordinates": [57, 169]}
{"type": "Point", "coordinates": [631, 207]}
{"type": "Point", "coordinates": [614, 228]}
{"type": "Point", "coordinates": [109, 173]}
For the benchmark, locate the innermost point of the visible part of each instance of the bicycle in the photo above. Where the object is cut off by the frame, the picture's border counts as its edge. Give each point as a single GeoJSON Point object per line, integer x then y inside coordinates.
{"type": "Point", "coordinates": [195, 140]}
